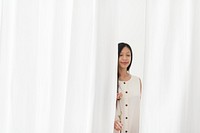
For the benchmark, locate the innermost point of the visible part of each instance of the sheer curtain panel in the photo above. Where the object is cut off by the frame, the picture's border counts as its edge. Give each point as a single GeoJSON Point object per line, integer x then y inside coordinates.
{"type": "Point", "coordinates": [172, 60]}
{"type": "Point", "coordinates": [57, 66]}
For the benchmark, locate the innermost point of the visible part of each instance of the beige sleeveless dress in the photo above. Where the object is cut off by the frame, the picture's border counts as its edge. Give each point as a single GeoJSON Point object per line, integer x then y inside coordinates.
{"type": "Point", "coordinates": [128, 107]}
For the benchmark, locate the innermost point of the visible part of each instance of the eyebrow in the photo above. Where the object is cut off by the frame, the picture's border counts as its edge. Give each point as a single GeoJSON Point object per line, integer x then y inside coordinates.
{"type": "Point", "coordinates": [126, 53]}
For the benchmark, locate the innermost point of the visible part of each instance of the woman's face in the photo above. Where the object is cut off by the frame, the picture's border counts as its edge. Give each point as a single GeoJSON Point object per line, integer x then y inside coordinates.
{"type": "Point", "coordinates": [124, 58]}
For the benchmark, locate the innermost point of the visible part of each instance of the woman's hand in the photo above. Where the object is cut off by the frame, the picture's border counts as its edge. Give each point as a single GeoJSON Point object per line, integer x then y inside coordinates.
{"type": "Point", "coordinates": [119, 95]}
{"type": "Point", "coordinates": [118, 125]}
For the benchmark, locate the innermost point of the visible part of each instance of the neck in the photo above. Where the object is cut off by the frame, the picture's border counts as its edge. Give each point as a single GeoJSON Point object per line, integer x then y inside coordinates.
{"type": "Point", "coordinates": [123, 73]}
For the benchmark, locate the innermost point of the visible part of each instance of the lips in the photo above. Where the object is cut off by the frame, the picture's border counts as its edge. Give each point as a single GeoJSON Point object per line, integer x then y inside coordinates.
{"type": "Point", "coordinates": [124, 63]}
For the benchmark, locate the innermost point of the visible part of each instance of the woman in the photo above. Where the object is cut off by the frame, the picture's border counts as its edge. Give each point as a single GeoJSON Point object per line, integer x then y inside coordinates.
{"type": "Point", "coordinates": [128, 94]}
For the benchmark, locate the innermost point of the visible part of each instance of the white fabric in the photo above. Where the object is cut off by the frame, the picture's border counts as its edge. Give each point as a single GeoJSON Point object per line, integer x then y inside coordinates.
{"type": "Point", "coordinates": [172, 67]}
{"type": "Point", "coordinates": [58, 63]}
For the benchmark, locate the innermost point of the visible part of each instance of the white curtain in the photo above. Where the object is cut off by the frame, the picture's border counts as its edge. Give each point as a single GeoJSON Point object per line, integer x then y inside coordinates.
{"type": "Point", "coordinates": [58, 65]}
{"type": "Point", "coordinates": [172, 67]}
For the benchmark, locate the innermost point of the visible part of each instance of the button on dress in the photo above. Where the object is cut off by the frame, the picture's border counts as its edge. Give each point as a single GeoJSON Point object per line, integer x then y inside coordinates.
{"type": "Point", "coordinates": [128, 107]}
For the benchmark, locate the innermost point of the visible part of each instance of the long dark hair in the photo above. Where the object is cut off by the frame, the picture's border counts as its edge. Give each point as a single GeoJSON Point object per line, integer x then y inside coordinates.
{"type": "Point", "coordinates": [120, 47]}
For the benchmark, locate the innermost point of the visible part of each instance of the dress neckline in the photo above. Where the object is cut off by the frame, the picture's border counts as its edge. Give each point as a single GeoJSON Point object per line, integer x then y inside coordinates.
{"type": "Point", "coordinates": [125, 80]}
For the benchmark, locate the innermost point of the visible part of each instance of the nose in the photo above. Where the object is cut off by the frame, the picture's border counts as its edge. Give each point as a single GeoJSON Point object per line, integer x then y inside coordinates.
{"type": "Point", "coordinates": [124, 58]}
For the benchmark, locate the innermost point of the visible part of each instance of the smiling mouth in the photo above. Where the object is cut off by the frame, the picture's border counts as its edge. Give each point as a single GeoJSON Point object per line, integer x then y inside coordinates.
{"type": "Point", "coordinates": [124, 63]}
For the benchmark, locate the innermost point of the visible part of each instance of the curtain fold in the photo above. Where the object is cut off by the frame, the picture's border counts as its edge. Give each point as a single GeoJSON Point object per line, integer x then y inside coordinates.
{"type": "Point", "coordinates": [33, 66]}
{"type": "Point", "coordinates": [92, 68]}
{"type": "Point", "coordinates": [171, 95]}
{"type": "Point", "coordinates": [57, 66]}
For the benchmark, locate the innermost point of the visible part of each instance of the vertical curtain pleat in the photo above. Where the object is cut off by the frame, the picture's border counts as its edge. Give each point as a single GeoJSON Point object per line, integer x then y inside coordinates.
{"type": "Point", "coordinates": [170, 67]}
{"type": "Point", "coordinates": [33, 65]}
{"type": "Point", "coordinates": [92, 68]}
{"type": "Point", "coordinates": [58, 66]}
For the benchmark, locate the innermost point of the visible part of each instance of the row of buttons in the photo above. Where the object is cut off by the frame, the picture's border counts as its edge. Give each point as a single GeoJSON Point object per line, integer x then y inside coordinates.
{"type": "Point", "coordinates": [126, 106]}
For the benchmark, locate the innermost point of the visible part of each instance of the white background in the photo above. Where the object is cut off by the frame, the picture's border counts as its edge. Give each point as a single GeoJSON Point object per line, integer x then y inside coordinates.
{"type": "Point", "coordinates": [131, 29]}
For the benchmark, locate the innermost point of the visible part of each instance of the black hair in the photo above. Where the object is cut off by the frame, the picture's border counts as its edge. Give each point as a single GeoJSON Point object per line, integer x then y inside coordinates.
{"type": "Point", "coordinates": [120, 47]}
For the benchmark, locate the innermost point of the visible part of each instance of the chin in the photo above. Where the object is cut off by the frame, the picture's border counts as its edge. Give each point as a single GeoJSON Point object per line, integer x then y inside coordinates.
{"type": "Point", "coordinates": [123, 67]}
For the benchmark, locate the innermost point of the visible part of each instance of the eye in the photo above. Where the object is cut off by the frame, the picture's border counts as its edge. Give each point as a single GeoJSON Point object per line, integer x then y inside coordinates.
{"type": "Point", "coordinates": [120, 55]}
{"type": "Point", "coordinates": [128, 55]}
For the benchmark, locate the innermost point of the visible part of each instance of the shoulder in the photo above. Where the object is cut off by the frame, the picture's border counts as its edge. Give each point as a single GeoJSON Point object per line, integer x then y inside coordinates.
{"type": "Point", "coordinates": [134, 77]}
{"type": "Point", "coordinates": [137, 80]}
